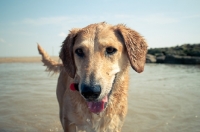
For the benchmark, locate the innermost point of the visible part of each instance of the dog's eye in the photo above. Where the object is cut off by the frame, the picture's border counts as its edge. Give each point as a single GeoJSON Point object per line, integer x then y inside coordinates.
{"type": "Point", "coordinates": [79, 52]}
{"type": "Point", "coordinates": [110, 50]}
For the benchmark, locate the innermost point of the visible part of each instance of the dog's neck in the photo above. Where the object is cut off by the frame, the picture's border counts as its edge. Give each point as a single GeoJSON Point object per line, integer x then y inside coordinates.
{"type": "Point", "coordinates": [120, 89]}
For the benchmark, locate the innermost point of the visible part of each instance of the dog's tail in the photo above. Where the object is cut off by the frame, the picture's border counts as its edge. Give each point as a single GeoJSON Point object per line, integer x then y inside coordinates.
{"type": "Point", "coordinates": [52, 66]}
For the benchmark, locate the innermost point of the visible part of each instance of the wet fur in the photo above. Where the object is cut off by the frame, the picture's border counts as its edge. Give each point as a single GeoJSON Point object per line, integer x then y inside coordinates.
{"type": "Point", "coordinates": [111, 72]}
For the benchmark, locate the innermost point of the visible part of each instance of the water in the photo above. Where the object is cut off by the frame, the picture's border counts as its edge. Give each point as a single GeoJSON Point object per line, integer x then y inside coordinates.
{"type": "Point", "coordinates": [164, 98]}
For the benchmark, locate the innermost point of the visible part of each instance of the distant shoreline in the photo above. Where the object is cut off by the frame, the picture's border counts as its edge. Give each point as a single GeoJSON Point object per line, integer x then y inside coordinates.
{"type": "Point", "coordinates": [23, 59]}
{"type": "Point", "coordinates": [184, 54]}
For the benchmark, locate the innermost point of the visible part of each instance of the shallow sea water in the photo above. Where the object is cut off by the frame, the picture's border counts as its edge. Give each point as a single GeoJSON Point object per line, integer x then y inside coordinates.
{"type": "Point", "coordinates": [164, 98]}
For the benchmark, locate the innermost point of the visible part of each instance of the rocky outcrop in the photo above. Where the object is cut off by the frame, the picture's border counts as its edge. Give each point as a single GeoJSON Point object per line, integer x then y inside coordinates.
{"type": "Point", "coordinates": [184, 54]}
{"type": "Point", "coordinates": [160, 59]}
{"type": "Point", "coordinates": [150, 58]}
{"type": "Point", "coordinates": [173, 59]}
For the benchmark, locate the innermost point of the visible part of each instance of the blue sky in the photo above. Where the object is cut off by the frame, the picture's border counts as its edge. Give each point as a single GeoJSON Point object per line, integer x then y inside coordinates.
{"type": "Point", "coordinates": [24, 23]}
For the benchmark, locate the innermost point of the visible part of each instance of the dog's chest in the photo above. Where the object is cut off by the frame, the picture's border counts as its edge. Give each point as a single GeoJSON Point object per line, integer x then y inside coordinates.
{"type": "Point", "coordinates": [100, 123]}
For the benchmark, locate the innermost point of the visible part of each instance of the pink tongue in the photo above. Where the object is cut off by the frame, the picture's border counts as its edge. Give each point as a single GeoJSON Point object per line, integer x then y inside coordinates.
{"type": "Point", "coordinates": [97, 107]}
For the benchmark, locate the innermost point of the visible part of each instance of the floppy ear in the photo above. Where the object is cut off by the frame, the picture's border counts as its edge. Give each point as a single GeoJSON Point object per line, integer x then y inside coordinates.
{"type": "Point", "coordinates": [66, 53]}
{"type": "Point", "coordinates": [135, 45]}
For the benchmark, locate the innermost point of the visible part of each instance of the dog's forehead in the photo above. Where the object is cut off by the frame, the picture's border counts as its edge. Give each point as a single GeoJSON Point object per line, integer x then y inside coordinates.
{"type": "Point", "coordinates": [101, 34]}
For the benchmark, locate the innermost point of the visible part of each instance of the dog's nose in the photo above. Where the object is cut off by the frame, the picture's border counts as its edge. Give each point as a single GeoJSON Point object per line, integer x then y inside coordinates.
{"type": "Point", "coordinates": [90, 92]}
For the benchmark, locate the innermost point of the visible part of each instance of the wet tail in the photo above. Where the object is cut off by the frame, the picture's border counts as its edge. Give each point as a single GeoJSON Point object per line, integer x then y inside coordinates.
{"type": "Point", "coordinates": [52, 66]}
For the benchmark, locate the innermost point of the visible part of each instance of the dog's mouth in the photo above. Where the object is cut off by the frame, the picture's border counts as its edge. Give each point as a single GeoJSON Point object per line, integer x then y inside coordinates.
{"type": "Point", "coordinates": [98, 106]}
{"type": "Point", "coordinates": [94, 106]}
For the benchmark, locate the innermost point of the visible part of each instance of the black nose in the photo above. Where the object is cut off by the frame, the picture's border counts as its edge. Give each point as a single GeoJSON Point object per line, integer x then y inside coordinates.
{"type": "Point", "coordinates": [90, 92]}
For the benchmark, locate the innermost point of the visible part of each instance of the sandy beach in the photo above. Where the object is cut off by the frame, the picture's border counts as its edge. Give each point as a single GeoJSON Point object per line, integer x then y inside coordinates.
{"type": "Point", "coordinates": [23, 59]}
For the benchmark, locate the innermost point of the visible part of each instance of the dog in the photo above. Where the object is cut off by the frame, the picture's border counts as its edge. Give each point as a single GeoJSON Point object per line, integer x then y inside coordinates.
{"type": "Point", "coordinates": [94, 75]}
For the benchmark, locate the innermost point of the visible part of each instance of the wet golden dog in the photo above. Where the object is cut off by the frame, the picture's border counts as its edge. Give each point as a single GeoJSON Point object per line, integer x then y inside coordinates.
{"type": "Point", "coordinates": [93, 82]}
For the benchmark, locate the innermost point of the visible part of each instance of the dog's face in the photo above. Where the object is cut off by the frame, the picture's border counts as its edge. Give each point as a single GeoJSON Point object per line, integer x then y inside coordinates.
{"type": "Point", "coordinates": [99, 55]}
{"type": "Point", "coordinates": [96, 54]}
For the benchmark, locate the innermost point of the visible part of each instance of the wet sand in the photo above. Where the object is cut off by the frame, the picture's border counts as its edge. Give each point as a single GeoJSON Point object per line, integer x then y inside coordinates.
{"type": "Point", "coordinates": [24, 59]}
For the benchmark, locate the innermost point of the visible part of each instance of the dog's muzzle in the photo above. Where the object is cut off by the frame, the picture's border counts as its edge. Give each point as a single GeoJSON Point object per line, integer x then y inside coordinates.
{"type": "Point", "coordinates": [90, 93]}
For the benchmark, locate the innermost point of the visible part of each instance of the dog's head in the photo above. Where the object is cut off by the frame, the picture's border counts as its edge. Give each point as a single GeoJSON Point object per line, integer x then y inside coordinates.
{"type": "Point", "coordinates": [96, 54]}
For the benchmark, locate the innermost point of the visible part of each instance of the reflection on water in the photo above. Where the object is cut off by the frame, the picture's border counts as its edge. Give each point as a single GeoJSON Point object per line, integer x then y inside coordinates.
{"type": "Point", "coordinates": [164, 98]}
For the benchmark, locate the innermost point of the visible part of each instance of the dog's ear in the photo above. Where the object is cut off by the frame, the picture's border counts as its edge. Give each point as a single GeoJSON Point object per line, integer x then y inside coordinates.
{"type": "Point", "coordinates": [135, 45]}
{"type": "Point", "coordinates": [66, 53]}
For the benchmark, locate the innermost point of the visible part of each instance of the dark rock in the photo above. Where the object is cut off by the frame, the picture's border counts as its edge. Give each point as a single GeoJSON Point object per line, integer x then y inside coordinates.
{"type": "Point", "coordinates": [175, 59]}
{"type": "Point", "coordinates": [160, 59]}
{"type": "Point", "coordinates": [183, 50]}
{"type": "Point", "coordinates": [159, 54]}
{"type": "Point", "coordinates": [150, 58]}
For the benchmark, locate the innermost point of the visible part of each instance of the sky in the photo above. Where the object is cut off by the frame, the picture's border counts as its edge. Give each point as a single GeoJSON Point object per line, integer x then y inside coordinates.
{"type": "Point", "coordinates": [163, 23]}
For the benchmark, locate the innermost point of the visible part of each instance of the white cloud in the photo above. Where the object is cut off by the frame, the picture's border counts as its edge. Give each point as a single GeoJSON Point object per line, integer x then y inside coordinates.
{"type": "Point", "coordinates": [2, 40]}
{"type": "Point", "coordinates": [191, 16]}
{"type": "Point", "coordinates": [46, 20]}
{"type": "Point", "coordinates": [58, 20]}
{"type": "Point", "coordinates": [159, 19]}
{"type": "Point", "coordinates": [62, 34]}
{"type": "Point", "coordinates": [67, 20]}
